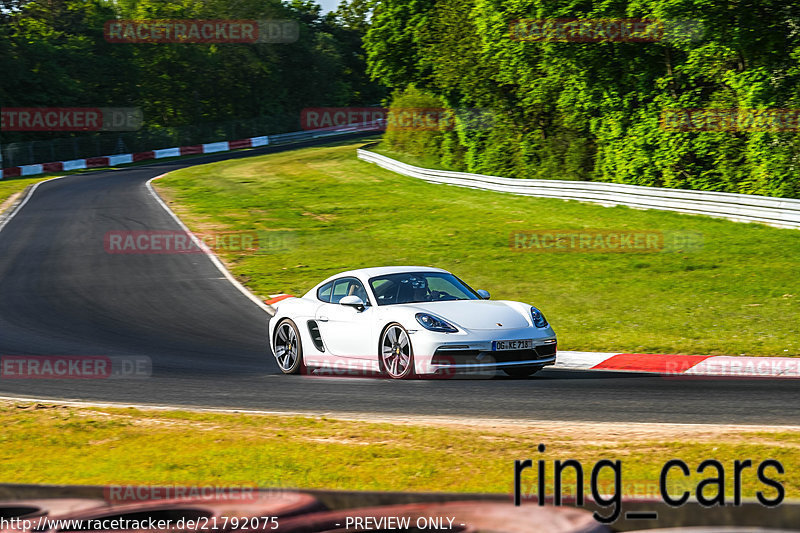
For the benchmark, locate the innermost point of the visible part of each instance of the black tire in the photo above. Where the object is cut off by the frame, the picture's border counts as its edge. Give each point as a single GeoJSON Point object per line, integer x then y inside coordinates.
{"type": "Point", "coordinates": [395, 354]}
{"type": "Point", "coordinates": [521, 371]}
{"type": "Point", "coordinates": [288, 347]}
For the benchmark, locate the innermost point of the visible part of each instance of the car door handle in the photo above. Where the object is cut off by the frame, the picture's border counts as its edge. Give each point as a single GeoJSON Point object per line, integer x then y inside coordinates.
{"type": "Point", "coordinates": [323, 319]}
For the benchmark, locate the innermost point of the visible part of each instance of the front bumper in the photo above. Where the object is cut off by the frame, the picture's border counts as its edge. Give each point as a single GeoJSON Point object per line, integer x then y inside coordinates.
{"type": "Point", "coordinates": [478, 356]}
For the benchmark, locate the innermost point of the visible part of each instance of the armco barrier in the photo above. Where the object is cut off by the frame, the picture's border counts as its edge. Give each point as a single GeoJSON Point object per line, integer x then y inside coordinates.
{"type": "Point", "coordinates": [209, 148]}
{"type": "Point", "coordinates": [778, 212]}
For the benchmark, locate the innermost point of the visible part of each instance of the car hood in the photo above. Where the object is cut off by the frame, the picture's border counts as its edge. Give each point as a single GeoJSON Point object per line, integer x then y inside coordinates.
{"type": "Point", "coordinates": [475, 314]}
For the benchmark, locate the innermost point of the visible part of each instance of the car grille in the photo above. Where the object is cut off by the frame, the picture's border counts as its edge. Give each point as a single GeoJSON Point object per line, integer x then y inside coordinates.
{"type": "Point", "coordinates": [477, 357]}
{"type": "Point", "coordinates": [546, 350]}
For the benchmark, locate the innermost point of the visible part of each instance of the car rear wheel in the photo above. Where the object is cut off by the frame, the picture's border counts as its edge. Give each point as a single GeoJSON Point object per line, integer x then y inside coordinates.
{"type": "Point", "coordinates": [396, 355]}
{"type": "Point", "coordinates": [287, 347]}
{"type": "Point", "coordinates": [521, 371]}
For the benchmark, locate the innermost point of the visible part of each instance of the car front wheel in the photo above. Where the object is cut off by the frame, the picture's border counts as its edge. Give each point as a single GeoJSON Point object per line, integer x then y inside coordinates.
{"type": "Point", "coordinates": [396, 355]}
{"type": "Point", "coordinates": [287, 347]}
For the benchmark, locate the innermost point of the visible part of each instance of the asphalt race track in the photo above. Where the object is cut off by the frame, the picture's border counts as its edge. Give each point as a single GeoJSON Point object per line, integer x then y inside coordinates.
{"type": "Point", "coordinates": [62, 294]}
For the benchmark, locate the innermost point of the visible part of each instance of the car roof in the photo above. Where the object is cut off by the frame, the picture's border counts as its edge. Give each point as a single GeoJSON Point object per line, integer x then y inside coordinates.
{"type": "Point", "coordinates": [367, 273]}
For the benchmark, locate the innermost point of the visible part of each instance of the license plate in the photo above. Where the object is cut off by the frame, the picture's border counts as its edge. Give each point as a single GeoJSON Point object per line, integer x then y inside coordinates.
{"type": "Point", "coordinates": [501, 346]}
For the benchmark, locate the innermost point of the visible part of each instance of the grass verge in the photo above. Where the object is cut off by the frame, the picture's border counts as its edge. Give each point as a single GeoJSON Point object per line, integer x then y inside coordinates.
{"type": "Point", "coordinates": [736, 291]}
{"type": "Point", "coordinates": [77, 445]}
{"type": "Point", "coordinates": [11, 188]}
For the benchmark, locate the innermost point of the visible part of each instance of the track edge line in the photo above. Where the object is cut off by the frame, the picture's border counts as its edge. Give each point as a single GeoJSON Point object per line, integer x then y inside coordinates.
{"type": "Point", "coordinates": [18, 205]}
{"type": "Point", "coordinates": [207, 251]}
{"type": "Point", "coordinates": [376, 418]}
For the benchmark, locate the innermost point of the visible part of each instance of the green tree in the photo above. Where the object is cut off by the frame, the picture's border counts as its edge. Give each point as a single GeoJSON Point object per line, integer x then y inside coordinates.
{"type": "Point", "coordinates": [592, 110]}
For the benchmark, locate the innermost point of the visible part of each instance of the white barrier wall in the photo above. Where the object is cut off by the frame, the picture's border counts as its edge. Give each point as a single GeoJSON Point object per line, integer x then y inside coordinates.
{"type": "Point", "coordinates": [778, 212]}
{"type": "Point", "coordinates": [209, 148]}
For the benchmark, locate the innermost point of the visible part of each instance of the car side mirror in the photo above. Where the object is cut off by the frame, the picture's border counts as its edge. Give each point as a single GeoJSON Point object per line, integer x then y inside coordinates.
{"type": "Point", "coordinates": [353, 301]}
{"type": "Point", "coordinates": [484, 294]}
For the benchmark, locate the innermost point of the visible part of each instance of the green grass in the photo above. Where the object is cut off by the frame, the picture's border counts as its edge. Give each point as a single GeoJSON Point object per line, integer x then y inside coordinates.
{"type": "Point", "coordinates": [70, 445]}
{"type": "Point", "coordinates": [12, 186]}
{"type": "Point", "coordinates": [738, 293]}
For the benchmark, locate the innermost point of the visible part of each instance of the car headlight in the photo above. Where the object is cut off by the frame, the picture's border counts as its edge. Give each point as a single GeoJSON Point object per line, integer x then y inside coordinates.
{"type": "Point", "coordinates": [432, 323]}
{"type": "Point", "coordinates": [538, 318]}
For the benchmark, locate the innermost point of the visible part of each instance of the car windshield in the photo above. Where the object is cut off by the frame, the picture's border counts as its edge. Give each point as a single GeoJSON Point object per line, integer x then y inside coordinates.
{"type": "Point", "coordinates": [414, 287]}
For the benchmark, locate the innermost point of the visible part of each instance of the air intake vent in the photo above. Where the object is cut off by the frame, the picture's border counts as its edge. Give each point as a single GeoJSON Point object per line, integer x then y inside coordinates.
{"type": "Point", "coordinates": [313, 329]}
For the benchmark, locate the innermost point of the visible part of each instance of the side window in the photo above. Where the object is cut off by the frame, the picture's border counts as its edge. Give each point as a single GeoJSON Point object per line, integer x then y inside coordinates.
{"type": "Point", "coordinates": [357, 289]}
{"type": "Point", "coordinates": [384, 290]}
{"type": "Point", "coordinates": [443, 285]}
{"type": "Point", "coordinates": [347, 287]}
{"type": "Point", "coordinates": [324, 292]}
{"type": "Point", "coordinates": [340, 287]}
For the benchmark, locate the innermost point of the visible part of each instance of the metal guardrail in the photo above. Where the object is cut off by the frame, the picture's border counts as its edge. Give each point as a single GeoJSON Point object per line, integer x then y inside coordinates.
{"type": "Point", "coordinates": [283, 138]}
{"type": "Point", "coordinates": [206, 148]}
{"type": "Point", "coordinates": [778, 212]}
{"type": "Point", "coordinates": [16, 153]}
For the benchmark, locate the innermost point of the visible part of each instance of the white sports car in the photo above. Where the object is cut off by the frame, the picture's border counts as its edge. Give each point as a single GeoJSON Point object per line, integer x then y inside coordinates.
{"type": "Point", "coordinates": [407, 321]}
